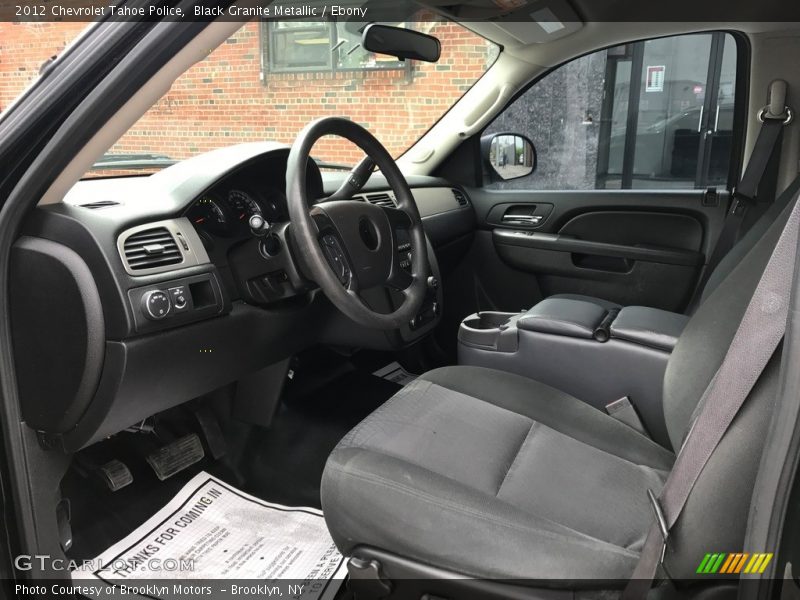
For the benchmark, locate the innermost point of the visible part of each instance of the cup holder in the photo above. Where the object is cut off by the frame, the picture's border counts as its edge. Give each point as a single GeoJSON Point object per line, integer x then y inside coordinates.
{"type": "Point", "coordinates": [487, 320]}
{"type": "Point", "coordinates": [484, 328]}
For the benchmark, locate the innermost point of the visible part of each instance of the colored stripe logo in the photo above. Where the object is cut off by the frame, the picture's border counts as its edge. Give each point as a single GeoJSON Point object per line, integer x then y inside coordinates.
{"type": "Point", "coordinates": [734, 563]}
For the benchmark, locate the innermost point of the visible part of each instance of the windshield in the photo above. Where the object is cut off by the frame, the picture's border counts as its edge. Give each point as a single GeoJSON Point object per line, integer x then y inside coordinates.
{"type": "Point", "coordinates": [271, 78]}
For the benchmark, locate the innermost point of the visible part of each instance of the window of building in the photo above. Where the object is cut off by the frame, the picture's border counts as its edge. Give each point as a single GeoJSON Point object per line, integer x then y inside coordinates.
{"type": "Point", "coordinates": [653, 114]}
{"type": "Point", "coordinates": [293, 46]}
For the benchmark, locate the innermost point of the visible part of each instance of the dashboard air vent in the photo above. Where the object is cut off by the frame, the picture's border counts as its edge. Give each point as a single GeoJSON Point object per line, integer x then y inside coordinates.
{"type": "Point", "coordinates": [99, 204]}
{"type": "Point", "coordinates": [151, 248]}
{"type": "Point", "coordinates": [384, 200]}
{"type": "Point", "coordinates": [460, 197]}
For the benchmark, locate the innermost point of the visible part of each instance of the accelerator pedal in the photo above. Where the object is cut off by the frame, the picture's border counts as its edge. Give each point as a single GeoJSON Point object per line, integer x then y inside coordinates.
{"type": "Point", "coordinates": [176, 456]}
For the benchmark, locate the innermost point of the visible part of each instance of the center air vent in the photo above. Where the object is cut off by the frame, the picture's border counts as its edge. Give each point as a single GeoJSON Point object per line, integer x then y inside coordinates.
{"type": "Point", "coordinates": [384, 200]}
{"type": "Point", "coordinates": [150, 249]}
{"type": "Point", "coordinates": [460, 197]}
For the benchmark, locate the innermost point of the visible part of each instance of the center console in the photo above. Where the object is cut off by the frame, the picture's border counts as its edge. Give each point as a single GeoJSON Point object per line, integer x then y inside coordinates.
{"type": "Point", "coordinates": [597, 354]}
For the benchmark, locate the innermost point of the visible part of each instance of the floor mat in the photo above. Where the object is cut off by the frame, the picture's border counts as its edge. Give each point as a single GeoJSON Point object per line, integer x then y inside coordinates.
{"type": "Point", "coordinates": [222, 542]}
{"type": "Point", "coordinates": [285, 463]}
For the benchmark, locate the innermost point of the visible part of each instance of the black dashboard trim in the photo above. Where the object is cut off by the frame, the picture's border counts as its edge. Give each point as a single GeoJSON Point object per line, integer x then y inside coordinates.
{"type": "Point", "coordinates": [57, 326]}
{"type": "Point", "coordinates": [240, 338]}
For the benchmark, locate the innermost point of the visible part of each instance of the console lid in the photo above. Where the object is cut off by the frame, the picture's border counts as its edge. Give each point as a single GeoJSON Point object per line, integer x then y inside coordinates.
{"type": "Point", "coordinates": [649, 326]}
{"type": "Point", "coordinates": [562, 316]}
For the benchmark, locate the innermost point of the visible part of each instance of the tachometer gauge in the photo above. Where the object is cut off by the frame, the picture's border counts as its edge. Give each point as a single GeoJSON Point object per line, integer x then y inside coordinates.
{"type": "Point", "coordinates": [208, 215]}
{"type": "Point", "coordinates": [242, 206]}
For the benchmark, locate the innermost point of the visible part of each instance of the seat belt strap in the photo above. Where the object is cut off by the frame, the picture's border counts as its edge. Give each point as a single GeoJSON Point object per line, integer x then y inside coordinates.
{"type": "Point", "coordinates": [753, 184]}
{"type": "Point", "coordinates": [773, 117]}
{"type": "Point", "coordinates": [754, 342]}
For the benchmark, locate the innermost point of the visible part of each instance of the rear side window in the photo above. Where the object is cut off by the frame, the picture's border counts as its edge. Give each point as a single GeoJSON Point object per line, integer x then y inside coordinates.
{"type": "Point", "coordinates": [654, 114]}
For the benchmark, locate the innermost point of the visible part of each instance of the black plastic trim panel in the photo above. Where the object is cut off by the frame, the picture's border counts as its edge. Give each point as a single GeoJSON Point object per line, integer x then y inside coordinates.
{"type": "Point", "coordinates": [149, 374]}
{"type": "Point", "coordinates": [58, 331]}
{"type": "Point", "coordinates": [560, 243]}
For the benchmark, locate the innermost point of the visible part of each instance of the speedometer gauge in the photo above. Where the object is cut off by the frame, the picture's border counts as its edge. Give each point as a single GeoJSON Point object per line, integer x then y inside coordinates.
{"type": "Point", "coordinates": [242, 205]}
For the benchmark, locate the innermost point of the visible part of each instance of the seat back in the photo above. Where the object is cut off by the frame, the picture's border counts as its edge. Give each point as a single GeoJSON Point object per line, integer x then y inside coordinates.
{"type": "Point", "coordinates": [749, 239]}
{"type": "Point", "coordinates": [715, 516]}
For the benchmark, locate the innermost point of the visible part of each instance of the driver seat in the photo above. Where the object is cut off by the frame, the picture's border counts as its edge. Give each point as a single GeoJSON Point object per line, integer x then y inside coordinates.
{"type": "Point", "coordinates": [487, 474]}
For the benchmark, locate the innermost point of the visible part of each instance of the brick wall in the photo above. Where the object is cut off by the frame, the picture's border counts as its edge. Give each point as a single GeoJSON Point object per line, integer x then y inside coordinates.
{"type": "Point", "coordinates": [23, 49]}
{"type": "Point", "coordinates": [223, 100]}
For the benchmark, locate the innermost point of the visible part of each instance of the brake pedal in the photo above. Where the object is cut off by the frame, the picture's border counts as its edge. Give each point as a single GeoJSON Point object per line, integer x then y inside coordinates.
{"type": "Point", "coordinates": [115, 474]}
{"type": "Point", "coordinates": [212, 433]}
{"type": "Point", "coordinates": [176, 456]}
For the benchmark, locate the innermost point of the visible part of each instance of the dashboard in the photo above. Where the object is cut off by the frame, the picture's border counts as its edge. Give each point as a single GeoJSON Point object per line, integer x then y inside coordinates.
{"type": "Point", "coordinates": [136, 294]}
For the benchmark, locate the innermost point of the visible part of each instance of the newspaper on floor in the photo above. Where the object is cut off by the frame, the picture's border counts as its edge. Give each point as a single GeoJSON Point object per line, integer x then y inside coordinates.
{"type": "Point", "coordinates": [395, 373]}
{"type": "Point", "coordinates": [212, 540]}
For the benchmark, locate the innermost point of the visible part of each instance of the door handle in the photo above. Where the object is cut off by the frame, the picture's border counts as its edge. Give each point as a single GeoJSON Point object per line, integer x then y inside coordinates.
{"type": "Point", "coordinates": [522, 219]}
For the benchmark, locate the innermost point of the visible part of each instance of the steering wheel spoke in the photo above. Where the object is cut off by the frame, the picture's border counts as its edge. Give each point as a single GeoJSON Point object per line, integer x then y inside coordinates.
{"type": "Point", "coordinates": [398, 218]}
{"type": "Point", "coordinates": [399, 279]}
{"type": "Point", "coordinates": [338, 261]}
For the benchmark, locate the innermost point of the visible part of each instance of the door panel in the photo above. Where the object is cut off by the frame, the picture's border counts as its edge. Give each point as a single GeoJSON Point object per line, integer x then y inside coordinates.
{"type": "Point", "coordinates": [628, 141]}
{"type": "Point", "coordinates": [627, 246]}
{"type": "Point", "coordinates": [636, 228]}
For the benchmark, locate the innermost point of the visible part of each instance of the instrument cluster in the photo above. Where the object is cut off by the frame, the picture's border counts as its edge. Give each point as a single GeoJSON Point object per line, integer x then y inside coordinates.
{"type": "Point", "coordinates": [226, 213]}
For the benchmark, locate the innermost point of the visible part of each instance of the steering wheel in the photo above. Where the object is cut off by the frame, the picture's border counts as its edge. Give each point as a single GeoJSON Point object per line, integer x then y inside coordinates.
{"type": "Point", "coordinates": [349, 246]}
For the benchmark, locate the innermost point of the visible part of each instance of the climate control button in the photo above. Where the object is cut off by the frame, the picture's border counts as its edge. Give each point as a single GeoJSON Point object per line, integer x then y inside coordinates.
{"type": "Point", "coordinates": [156, 304]}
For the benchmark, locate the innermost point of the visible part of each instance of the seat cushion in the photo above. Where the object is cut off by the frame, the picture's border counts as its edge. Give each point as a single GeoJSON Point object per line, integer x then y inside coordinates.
{"type": "Point", "coordinates": [490, 474]}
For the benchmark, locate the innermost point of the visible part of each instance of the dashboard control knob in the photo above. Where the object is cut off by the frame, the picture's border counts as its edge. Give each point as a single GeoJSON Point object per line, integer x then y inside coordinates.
{"type": "Point", "coordinates": [180, 302]}
{"type": "Point", "coordinates": [156, 304]}
{"type": "Point", "coordinates": [258, 225]}
{"type": "Point", "coordinates": [433, 283]}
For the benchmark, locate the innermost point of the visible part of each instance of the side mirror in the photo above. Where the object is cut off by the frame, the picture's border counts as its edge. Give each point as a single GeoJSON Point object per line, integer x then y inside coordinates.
{"type": "Point", "coordinates": [399, 42]}
{"type": "Point", "coordinates": [508, 156]}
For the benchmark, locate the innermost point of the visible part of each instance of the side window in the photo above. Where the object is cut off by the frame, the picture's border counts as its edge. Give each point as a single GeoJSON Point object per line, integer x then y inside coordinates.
{"type": "Point", "coordinates": [654, 114]}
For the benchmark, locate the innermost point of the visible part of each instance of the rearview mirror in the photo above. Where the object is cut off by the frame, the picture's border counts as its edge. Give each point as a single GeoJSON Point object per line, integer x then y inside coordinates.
{"type": "Point", "coordinates": [401, 43]}
{"type": "Point", "coordinates": [508, 155]}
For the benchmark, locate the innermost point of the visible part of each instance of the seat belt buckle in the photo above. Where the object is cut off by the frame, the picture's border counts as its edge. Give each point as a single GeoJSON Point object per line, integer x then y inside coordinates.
{"type": "Point", "coordinates": [624, 412]}
{"type": "Point", "coordinates": [661, 521]}
{"type": "Point", "coordinates": [739, 203]}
